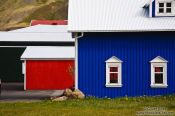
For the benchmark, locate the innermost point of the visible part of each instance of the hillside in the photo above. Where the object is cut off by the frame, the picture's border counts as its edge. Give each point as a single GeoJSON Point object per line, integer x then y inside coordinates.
{"type": "Point", "coordinates": [18, 13]}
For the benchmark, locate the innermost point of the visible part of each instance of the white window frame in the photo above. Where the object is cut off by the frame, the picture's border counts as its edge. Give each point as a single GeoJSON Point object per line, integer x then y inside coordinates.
{"type": "Point", "coordinates": [159, 62]}
{"type": "Point", "coordinates": [165, 13]}
{"type": "Point", "coordinates": [113, 62]}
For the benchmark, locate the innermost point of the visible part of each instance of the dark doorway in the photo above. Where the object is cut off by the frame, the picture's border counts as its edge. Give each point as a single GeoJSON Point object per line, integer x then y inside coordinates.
{"type": "Point", "coordinates": [10, 64]}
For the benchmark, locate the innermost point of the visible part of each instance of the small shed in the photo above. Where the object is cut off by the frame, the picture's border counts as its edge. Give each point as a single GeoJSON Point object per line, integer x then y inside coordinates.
{"type": "Point", "coordinates": [48, 68]}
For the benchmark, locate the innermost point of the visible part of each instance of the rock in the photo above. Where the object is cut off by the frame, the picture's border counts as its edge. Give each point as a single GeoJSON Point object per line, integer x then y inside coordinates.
{"type": "Point", "coordinates": [77, 94]}
{"type": "Point", "coordinates": [67, 92]}
{"type": "Point", "coordinates": [62, 98]}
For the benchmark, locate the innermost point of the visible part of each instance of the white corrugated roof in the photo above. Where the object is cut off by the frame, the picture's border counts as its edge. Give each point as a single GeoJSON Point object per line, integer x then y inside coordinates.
{"type": "Point", "coordinates": [35, 37]}
{"type": "Point", "coordinates": [114, 15]}
{"type": "Point", "coordinates": [41, 52]}
{"type": "Point", "coordinates": [43, 29]}
{"type": "Point", "coordinates": [38, 33]}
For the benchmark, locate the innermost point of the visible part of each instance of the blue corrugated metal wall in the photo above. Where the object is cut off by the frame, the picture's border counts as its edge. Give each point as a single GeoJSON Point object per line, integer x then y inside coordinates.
{"type": "Point", "coordinates": [135, 50]}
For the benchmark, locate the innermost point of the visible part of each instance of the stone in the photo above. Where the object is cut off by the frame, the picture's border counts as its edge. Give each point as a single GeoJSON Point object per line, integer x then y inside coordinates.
{"type": "Point", "coordinates": [62, 98]}
{"type": "Point", "coordinates": [77, 94]}
{"type": "Point", "coordinates": [67, 92]}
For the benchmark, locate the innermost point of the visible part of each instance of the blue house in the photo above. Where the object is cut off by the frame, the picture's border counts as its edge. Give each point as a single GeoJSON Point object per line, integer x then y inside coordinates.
{"type": "Point", "coordinates": [121, 50]}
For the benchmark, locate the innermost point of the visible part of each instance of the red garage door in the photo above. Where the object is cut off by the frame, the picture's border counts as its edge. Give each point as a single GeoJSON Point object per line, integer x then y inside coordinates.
{"type": "Point", "coordinates": [49, 74]}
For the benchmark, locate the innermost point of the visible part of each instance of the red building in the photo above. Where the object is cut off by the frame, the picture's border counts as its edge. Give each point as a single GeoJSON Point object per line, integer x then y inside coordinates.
{"type": "Point", "coordinates": [48, 68]}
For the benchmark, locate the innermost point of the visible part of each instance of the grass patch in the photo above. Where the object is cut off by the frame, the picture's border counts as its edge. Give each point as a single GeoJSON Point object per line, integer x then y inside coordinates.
{"type": "Point", "coordinates": [89, 106]}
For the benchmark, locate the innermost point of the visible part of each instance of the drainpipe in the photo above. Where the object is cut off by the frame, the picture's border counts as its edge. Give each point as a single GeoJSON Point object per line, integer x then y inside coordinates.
{"type": "Point", "coordinates": [77, 36]}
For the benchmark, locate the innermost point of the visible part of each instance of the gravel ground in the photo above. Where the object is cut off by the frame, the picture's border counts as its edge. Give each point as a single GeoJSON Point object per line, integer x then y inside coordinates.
{"type": "Point", "coordinates": [12, 92]}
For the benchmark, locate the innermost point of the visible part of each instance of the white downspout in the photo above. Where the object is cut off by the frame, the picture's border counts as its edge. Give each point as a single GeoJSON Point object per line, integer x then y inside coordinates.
{"type": "Point", "coordinates": [76, 60]}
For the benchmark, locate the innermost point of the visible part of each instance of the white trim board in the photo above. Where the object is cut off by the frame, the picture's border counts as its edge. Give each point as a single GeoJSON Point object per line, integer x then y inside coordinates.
{"type": "Point", "coordinates": [24, 69]}
{"type": "Point", "coordinates": [76, 63]}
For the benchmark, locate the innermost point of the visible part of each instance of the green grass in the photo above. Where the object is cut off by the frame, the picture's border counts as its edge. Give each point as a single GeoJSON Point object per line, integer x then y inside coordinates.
{"type": "Point", "coordinates": [88, 107]}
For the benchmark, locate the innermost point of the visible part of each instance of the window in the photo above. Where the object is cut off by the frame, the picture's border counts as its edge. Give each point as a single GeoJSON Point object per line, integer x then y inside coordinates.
{"type": "Point", "coordinates": [158, 72]}
{"type": "Point", "coordinates": [161, 7]}
{"type": "Point", "coordinates": [168, 7]}
{"type": "Point", "coordinates": [164, 8]}
{"type": "Point", "coordinates": [113, 72]}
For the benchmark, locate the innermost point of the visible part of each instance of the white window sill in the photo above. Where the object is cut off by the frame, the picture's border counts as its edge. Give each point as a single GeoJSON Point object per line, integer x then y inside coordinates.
{"type": "Point", "coordinates": [113, 85]}
{"type": "Point", "coordinates": [159, 86]}
{"type": "Point", "coordinates": [164, 14]}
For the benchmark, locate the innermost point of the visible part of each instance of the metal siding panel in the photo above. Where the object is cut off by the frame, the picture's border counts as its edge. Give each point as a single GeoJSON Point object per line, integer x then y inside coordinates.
{"type": "Point", "coordinates": [135, 50]}
{"type": "Point", "coordinates": [48, 75]}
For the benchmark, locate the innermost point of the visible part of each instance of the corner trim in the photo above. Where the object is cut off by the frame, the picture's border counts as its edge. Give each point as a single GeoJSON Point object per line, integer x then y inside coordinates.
{"type": "Point", "coordinates": [76, 63]}
{"type": "Point", "coordinates": [24, 74]}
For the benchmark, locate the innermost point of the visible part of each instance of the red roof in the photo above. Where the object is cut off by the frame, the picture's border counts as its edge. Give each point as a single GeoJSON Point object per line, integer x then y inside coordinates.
{"type": "Point", "coordinates": [48, 22]}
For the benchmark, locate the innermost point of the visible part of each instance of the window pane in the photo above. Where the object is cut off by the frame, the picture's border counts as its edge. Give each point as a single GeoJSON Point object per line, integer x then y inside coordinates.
{"type": "Point", "coordinates": [113, 69]}
{"type": "Point", "coordinates": [168, 4]}
{"type": "Point", "coordinates": [161, 4]}
{"type": "Point", "coordinates": [158, 69]}
{"type": "Point", "coordinates": [113, 77]}
{"type": "Point", "coordinates": [161, 10]}
{"type": "Point", "coordinates": [158, 78]}
{"type": "Point", "coordinates": [168, 10]}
